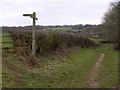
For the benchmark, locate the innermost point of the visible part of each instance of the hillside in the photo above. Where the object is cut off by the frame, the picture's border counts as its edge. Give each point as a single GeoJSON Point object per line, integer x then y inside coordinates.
{"type": "Point", "coordinates": [66, 69]}
{"type": "Point", "coordinates": [76, 65]}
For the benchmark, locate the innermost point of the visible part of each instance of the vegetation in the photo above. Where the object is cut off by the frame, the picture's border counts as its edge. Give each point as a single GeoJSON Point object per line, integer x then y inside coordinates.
{"type": "Point", "coordinates": [70, 71]}
{"type": "Point", "coordinates": [61, 28]}
{"type": "Point", "coordinates": [66, 69]}
{"type": "Point", "coordinates": [5, 39]}
{"type": "Point", "coordinates": [108, 75]}
{"type": "Point", "coordinates": [98, 39]}
{"type": "Point", "coordinates": [110, 22]}
{"type": "Point", "coordinates": [64, 60]}
{"type": "Point", "coordinates": [56, 27]}
{"type": "Point", "coordinates": [48, 41]}
{"type": "Point", "coordinates": [5, 34]}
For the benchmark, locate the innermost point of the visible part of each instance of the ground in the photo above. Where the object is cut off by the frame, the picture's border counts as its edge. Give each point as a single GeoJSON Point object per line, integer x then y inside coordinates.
{"type": "Point", "coordinates": [91, 80]}
{"type": "Point", "coordinates": [71, 68]}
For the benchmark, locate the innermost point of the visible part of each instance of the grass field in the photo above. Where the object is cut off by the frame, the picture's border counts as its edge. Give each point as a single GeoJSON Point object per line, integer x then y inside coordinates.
{"type": "Point", "coordinates": [5, 34]}
{"type": "Point", "coordinates": [98, 39]}
{"type": "Point", "coordinates": [62, 29]}
{"type": "Point", "coordinates": [5, 39]}
{"type": "Point", "coordinates": [68, 72]}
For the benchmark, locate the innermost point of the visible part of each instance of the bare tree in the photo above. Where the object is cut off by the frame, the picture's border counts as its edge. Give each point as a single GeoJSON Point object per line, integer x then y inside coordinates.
{"type": "Point", "coordinates": [111, 22]}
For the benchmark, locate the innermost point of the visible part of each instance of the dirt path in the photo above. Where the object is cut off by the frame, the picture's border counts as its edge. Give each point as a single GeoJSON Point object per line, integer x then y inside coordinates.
{"type": "Point", "coordinates": [91, 82]}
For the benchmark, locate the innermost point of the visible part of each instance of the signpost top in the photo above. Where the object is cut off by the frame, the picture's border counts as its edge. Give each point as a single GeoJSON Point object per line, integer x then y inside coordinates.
{"type": "Point", "coordinates": [31, 15]}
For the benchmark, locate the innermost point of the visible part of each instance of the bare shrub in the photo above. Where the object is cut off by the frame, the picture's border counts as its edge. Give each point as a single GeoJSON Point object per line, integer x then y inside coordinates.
{"type": "Point", "coordinates": [47, 41]}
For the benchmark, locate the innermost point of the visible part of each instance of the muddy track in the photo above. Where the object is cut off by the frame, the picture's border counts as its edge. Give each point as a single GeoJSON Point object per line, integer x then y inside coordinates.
{"type": "Point", "coordinates": [91, 80]}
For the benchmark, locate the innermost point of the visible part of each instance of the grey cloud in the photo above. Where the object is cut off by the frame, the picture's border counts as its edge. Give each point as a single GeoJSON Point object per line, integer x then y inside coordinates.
{"type": "Point", "coordinates": [52, 11]}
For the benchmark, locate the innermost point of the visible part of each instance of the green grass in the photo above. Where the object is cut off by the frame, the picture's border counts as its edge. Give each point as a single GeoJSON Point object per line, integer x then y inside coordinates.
{"type": "Point", "coordinates": [10, 73]}
{"type": "Point", "coordinates": [5, 34]}
{"type": "Point", "coordinates": [9, 78]}
{"type": "Point", "coordinates": [5, 39]}
{"type": "Point", "coordinates": [72, 72]}
{"type": "Point", "coordinates": [62, 29]}
{"type": "Point", "coordinates": [68, 73]}
{"type": "Point", "coordinates": [97, 39]}
{"type": "Point", "coordinates": [108, 75]}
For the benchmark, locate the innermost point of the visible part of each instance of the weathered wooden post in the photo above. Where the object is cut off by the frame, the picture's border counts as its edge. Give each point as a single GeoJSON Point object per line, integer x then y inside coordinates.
{"type": "Point", "coordinates": [33, 34]}
{"type": "Point", "coordinates": [33, 16]}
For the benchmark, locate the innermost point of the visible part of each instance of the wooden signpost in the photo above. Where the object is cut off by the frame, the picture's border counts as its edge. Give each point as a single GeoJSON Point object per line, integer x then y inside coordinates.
{"type": "Point", "coordinates": [33, 16]}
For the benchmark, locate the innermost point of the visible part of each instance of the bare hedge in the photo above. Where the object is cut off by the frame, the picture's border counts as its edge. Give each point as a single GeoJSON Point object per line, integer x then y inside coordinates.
{"type": "Point", "coordinates": [48, 41]}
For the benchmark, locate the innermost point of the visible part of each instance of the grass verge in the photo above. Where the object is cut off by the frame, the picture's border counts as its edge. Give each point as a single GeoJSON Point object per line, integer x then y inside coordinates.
{"type": "Point", "coordinates": [69, 72]}
{"type": "Point", "coordinates": [108, 75]}
{"type": "Point", "coordinates": [62, 70]}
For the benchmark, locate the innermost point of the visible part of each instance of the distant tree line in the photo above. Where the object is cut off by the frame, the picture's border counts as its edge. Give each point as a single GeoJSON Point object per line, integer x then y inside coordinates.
{"type": "Point", "coordinates": [40, 27]}
{"type": "Point", "coordinates": [87, 29]}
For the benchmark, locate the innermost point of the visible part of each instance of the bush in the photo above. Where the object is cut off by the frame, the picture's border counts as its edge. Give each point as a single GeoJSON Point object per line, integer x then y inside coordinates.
{"type": "Point", "coordinates": [47, 41]}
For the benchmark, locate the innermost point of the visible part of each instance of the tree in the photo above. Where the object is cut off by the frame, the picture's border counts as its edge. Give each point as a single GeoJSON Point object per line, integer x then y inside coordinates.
{"type": "Point", "coordinates": [111, 22]}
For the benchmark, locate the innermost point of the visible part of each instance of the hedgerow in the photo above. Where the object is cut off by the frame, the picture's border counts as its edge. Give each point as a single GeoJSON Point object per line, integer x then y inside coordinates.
{"type": "Point", "coordinates": [47, 41]}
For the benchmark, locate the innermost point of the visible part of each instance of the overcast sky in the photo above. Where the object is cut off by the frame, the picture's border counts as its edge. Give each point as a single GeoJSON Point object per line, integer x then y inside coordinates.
{"type": "Point", "coordinates": [52, 12]}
